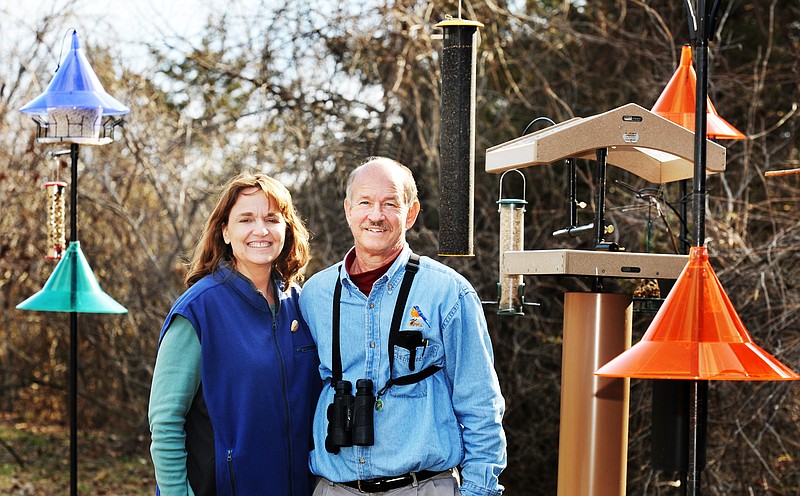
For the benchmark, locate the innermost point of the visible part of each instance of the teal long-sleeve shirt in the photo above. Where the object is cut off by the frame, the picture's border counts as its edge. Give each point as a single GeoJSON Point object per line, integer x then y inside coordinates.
{"type": "Point", "coordinates": [176, 378]}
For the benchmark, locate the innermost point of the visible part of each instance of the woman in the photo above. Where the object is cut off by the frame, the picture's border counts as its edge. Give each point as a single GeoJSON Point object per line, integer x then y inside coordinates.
{"type": "Point", "coordinates": [236, 380]}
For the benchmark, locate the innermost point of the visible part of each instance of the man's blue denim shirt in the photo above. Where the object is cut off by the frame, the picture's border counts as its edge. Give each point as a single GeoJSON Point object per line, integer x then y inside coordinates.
{"type": "Point", "coordinates": [452, 418]}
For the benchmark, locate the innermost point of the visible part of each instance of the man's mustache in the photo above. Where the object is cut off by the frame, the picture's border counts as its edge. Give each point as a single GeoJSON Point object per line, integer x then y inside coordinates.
{"type": "Point", "coordinates": [379, 225]}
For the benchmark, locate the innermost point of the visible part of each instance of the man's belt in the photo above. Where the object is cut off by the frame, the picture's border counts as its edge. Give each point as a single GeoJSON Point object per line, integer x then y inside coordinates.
{"type": "Point", "coordinates": [383, 484]}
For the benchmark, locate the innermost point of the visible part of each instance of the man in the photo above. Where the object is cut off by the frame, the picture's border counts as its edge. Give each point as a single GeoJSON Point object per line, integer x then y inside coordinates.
{"type": "Point", "coordinates": [434, 403]}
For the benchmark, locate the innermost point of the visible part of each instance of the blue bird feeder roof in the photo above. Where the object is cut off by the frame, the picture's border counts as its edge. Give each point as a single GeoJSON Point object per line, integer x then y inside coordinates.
{"type": "Point", "coordinates": [75, 86]}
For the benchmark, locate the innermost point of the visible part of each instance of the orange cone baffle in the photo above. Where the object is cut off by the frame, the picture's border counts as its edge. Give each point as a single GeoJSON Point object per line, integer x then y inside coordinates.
{"type": "Point", "coordinates": [677, 102]}
{"type": "Point", "coordinates": [697, 335]}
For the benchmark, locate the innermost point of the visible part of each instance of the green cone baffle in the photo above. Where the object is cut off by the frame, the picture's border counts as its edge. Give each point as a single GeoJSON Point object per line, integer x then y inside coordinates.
{"type": "Point", "coordinates": [72, 287]}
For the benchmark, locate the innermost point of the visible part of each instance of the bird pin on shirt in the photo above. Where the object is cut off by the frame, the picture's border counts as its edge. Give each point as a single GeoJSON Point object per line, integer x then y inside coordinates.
{"type": "Point", "coordinates": [295, 326]}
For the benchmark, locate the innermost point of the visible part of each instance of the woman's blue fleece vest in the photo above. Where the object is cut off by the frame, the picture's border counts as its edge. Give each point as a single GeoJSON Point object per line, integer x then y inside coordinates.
{"type": "Point", "coordinates": [259, 382]}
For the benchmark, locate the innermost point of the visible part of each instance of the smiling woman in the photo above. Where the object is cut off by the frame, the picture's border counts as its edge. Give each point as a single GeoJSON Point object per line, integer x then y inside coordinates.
{"type": "Point", "coordinates": [236, 376]}
{"type": "Point", "coordinates": [255, 231]}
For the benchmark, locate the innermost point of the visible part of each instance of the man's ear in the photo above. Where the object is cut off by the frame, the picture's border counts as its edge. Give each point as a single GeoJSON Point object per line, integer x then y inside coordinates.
{"type": "Point", "coordinates": [413, 212]}
{"type": "Point", "coordinates": [347, 211]}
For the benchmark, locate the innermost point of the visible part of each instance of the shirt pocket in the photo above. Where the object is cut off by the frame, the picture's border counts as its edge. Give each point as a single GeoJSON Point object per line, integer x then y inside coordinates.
{"type": "Point", "coordinates": [413, 353]}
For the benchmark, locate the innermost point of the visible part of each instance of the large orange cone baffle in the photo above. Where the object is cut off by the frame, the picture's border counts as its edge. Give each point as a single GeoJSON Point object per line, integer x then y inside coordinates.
{"type": "Point", "coordinates": [697, 335]}
{"type": "Point", "coordinates": [677, 102]}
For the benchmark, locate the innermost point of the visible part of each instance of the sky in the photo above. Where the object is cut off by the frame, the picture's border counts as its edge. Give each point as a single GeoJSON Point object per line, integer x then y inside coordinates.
{"type": "Point", "coordinates": [128, 17]}
{"type": "Point", "coordinates": [123, 23]}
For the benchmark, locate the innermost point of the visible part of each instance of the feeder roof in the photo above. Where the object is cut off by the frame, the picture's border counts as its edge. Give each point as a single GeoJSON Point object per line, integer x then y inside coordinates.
{"type": "Point", "coordinates": [75, 85]}
{"type": "Point", "coordinates": [638, 140]}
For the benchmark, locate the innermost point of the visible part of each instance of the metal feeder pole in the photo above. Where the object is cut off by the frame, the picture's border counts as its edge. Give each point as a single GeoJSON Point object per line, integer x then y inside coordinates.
{"type": "Point", "coordinates": [73, 331]}
{"type": "Point", "coordinates": [701, 24]}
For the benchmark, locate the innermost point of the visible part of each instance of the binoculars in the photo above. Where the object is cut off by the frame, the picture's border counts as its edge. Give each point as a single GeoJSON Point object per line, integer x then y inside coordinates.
{"type": "Point", "coordinates": [350, 418]}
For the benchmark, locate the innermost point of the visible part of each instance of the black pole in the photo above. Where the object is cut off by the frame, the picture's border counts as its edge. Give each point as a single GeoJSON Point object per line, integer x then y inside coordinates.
{"type": "Point", "coordinates": [698, 411]}
{"type": "Point", "coordinates": [573, 191]}
{"type": "Point", "coordinates": [600, 186]}
{"type": "Point", "coordinates": [73, 401]}
{"type": "Point", "coordinates": [600, 209]}
{"type": "Point", "coordinates": [699, 198]}
{"type": "Point", "coordinates": [73, 332]}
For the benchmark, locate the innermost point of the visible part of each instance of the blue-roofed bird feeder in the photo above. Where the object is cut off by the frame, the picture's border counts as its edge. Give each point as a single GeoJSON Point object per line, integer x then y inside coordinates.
{"type": "Point", "coordinates": [75, 107]}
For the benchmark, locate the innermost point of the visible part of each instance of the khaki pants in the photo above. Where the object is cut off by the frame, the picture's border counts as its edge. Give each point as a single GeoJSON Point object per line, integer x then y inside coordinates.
{"type": "Point", "coordinates": [444, 484]}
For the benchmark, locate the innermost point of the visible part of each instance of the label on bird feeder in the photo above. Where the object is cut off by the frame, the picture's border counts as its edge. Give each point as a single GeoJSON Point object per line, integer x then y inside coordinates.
{"type": "Point", "coordinates": [630, 137]}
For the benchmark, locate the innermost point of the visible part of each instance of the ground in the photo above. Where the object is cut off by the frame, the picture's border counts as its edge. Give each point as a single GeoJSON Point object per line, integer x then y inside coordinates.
{"type": "Point", "coordinates": [34, 460]}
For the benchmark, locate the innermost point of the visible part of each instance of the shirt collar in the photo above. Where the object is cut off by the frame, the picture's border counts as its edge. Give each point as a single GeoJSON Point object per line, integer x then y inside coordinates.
{"type": "Point", "coordinates": [399, 262]}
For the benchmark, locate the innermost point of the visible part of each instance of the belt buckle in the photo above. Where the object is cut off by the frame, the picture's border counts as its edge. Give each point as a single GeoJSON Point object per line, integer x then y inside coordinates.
{"type": "Point", "coordinates": [362, 491]}
{"type": "Point", "coordinates": [378, 483]}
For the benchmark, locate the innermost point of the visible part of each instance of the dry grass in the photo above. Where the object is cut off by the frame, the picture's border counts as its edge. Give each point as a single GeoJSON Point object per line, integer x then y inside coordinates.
{"type": "Point", "coordinates": [34, 460]}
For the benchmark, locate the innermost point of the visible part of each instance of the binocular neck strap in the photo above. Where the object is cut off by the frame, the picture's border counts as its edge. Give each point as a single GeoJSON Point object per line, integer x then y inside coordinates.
{"type": "Point", "coordinates": [336, 354]}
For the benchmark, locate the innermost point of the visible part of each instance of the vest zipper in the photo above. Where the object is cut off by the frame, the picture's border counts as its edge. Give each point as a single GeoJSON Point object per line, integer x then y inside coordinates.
{"type": "Point", "coordinates": [287, 425]}
{"type": "Point", "coordinates": [230, 472]}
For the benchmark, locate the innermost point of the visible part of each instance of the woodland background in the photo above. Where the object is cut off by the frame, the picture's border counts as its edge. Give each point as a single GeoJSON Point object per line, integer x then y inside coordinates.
{"type": "Point", "coordinates": [304, 91]}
